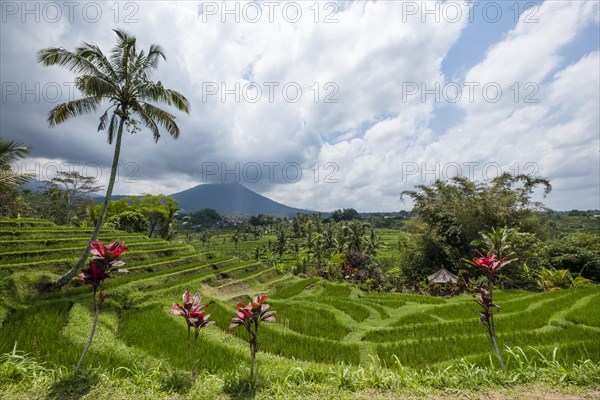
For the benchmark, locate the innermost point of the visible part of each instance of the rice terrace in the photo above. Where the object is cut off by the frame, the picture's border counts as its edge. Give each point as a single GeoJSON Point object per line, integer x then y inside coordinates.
{"type": "Point", "coordinates": [331, 338]}
{"type": "Point", "coordinates": [367, 200]}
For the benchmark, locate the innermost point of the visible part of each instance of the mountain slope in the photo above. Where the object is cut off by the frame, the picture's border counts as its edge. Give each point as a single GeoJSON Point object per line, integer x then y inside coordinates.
{"type": "Point", "coordinates": [230, 198]}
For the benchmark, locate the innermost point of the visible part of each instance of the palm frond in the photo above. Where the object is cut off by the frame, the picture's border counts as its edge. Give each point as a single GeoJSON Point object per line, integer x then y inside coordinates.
{"type": "Point", "coordinates": [155, 53]}
{"type": "Point", "coordinates": [111, 128]}
{"type": "Point", "coordinates": [156, 92]}
{"type": "Point", "coordinates": [148, 121]}
{"type": "Point", "coordinates": [162, 118]}
{"type": "Point", "coordinates": [122, 54]}
{"type": "Point", "coordinates": [63, 112]}
{"type": "Point", "coordinates": [136, 69]}
{"type": "Point", "coordinates": [60, 56]}
{"type": "Point", "coordinates": [10, 152]}
{"type": "Point", "coordinates": [179, 101]}
{"type": "Point", "coordinates": [10, 179]}
{"type": "Point", "coordinates": [93, 53]}
{"type": "Point", "coordinates": [104, 118]}
{"type": "Point", "coordinates": [95, 86]}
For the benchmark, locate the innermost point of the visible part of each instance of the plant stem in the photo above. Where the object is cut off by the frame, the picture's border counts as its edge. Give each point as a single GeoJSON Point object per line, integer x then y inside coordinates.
{"type": "Point", "coordinates": [252, 358]}
{"type": "Point", "coordinates": [89, 342]}
{"type": "Point", "coordinates": [492, 329]}
{"type": "Point", "coordinates": [252, 341]}
{"type": "Point", "coordinates": [195, 365]}
{"type": "Point", "coordinates": [192, 365]}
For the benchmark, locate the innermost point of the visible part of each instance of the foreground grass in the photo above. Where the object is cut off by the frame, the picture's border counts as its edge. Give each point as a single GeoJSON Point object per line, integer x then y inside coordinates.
{"type": "Point", "coordinates": [22, 377]}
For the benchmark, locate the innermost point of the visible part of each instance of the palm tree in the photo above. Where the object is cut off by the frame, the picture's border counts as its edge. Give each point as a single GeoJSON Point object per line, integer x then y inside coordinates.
{"type": "Point", "coordinates": [258, 252]}
{"type": "Point", "coordinates": [123, 80]}
{"type": "Point", "coordinates": [309, 243]}
{"type": "Point", "coordinates": [206, 239]}
{"type": "Point", "coordinates": [329, 236]}
{"type": "Point", "coordinates": [281, 243]}
{"type": "Point", "coordinates": [235, 238]}
{"type": "Point", "coordinates": [10, 152]}
{"type": "Point", "coordinates": [372, 244]}
{"type": "Point", "coordinates": [339, 238]}
{"type": "Point", "coordinates": [318, 250]}
{"type": "Point", "coordinates": [355, 232]}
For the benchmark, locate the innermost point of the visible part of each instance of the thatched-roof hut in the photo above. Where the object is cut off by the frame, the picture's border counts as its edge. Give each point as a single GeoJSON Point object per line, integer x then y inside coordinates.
{"type": "Point", "coordinates": [442, 276]}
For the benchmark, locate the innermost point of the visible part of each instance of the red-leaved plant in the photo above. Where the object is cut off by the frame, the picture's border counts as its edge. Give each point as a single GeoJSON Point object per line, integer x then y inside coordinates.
{"type": "Point", "coordinates": [250, 316]}
{"type": "Point", "coordinates": [104, 260]}
{"type": "Point", "coordinates": [194, 316]}
{"type": "Point", "coordinates": [490, 265]}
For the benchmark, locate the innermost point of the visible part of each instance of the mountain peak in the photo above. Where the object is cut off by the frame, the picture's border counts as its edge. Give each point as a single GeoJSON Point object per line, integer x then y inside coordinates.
{"type": "Point", "coordinates": [230, 198]}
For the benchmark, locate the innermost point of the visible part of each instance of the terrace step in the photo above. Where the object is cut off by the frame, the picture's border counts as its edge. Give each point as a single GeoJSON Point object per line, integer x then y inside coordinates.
{"type": "Point", "coordinates": [43, 252]}
{"type": "Point", "coordinates": [53, 232]}
{"type": "Point", "coordinates": [23, 244]}
{"type": "Point", "coordinates": [60, 259]}
{"type": "Point", "coordinates": [164, 279]}
{"type": "Point", "coordinates": [23, 222]}
{"type": "Point", "coordinates": [235, 273]}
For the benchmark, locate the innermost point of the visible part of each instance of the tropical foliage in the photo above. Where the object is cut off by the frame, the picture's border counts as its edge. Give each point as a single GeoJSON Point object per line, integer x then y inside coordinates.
{"type": "Point", "coordinates": [490, 265]}
{"type": "Point", "coordinates": [11, 152]}
{"type": "Point", "coordinates": [194, 315]}
{"type": "Point", "coordinates": [250, 317]}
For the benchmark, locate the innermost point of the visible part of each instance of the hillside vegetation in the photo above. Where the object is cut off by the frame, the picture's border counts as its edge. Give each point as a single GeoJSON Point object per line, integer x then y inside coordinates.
{"type": "Point", "coordinates": [330, 340]}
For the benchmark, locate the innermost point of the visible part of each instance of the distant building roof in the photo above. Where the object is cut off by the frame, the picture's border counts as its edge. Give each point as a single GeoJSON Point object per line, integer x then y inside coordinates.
{"type": "Point", "coordinates": [442, 276]}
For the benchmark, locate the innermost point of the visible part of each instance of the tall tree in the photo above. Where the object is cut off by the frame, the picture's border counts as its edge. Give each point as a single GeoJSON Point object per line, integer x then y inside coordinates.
{"type": "Point", "coordinates": [122, 80]}
{"type": "Point", "coordinates": [346, 214]}
{"type": "Point", "coordinates": [72, 185]}
{"type": "Point", "coordinates": [454, 212]}
{"type": "Point", "coordinates": [160, 211]}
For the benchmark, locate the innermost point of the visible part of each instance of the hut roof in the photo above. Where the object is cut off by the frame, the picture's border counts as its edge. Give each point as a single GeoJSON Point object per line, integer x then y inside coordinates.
{"type": "Point", "coordinates": [442, 276]}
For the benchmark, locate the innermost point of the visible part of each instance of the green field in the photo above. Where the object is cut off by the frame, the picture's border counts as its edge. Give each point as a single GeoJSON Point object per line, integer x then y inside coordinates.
{"type": "Point", "coordinates": [331, 340]}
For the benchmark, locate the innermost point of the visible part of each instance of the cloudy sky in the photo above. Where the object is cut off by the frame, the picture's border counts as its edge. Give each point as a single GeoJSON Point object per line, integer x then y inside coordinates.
{"type": "Point", "coordinates": [323, 105]}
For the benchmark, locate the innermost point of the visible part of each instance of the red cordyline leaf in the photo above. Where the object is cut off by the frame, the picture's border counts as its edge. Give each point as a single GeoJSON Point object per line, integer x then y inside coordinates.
{"type": "Point", "coordinates": [114, 250]}
{"type": "Point", "coordinates": [490, 264]}
{"type": "Point", "coordinates": [254, 312]}
{"type": "Point", "coordinates": [103, 261]}
{"type": "Point", "coordinates": [98, 249]}
{"type": "Point", "coordinates": [117, 248]}
{"type": "Point", "coordinates": [94, 274]}
{"type": "Point", "coordinates": [192, 311]}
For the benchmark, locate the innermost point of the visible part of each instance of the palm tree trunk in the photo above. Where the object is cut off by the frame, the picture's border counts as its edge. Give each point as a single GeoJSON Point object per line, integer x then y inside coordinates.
{"type": "Point", "coordinates": [63, 280]}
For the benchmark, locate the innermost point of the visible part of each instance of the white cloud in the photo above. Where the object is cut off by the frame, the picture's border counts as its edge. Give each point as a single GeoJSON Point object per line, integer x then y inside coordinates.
{"type": "Point", "coordinates": [370, 141]}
